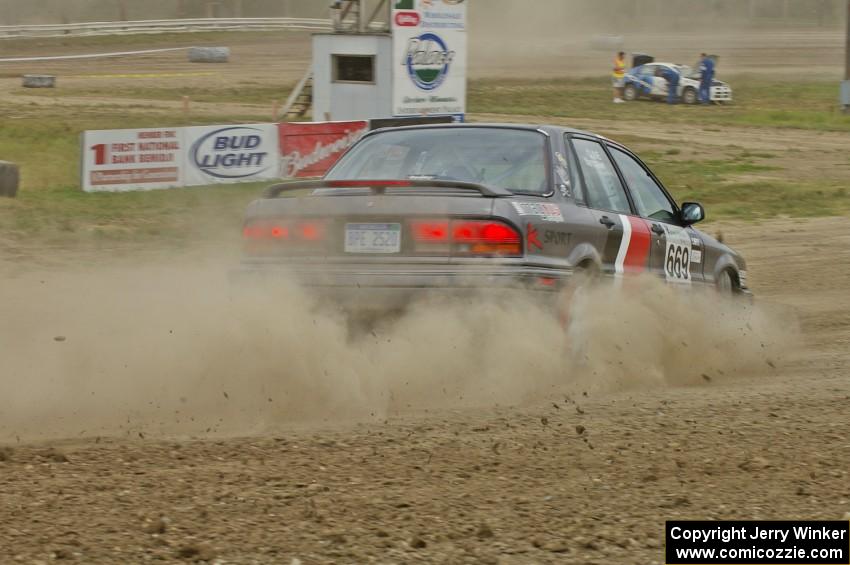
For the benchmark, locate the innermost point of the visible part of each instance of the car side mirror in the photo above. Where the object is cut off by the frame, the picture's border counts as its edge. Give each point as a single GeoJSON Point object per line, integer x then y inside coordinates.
{"type": "Point", "coordinates": [692, 212]}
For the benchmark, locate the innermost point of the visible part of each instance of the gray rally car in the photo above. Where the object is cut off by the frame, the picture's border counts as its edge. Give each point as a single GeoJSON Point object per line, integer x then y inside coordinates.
{"type": "Point", "coordinates": [473, 206]}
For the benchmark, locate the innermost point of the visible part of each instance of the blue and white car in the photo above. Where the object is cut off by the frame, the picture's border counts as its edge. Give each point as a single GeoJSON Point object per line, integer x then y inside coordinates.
{"type": "Point", "coordinates": [642, 80]}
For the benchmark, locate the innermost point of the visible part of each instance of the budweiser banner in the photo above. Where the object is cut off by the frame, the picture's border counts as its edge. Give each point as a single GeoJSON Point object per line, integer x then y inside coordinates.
{"type": "Point", "coordinates": [308, 149]}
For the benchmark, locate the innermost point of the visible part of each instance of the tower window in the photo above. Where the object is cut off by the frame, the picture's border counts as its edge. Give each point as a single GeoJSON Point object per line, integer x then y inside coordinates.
{"type": "Point", "coordinates": [354, 68]}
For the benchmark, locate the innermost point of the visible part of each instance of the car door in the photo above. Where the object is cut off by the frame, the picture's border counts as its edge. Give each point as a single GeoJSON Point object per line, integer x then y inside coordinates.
{"type": "Point", "coordinates": [676, 250]}
{"type": "Point", "coordinates": [626, 238]}
{"type": "Point", "coordinates": [659, 84]}
{"type": "Point", "coordinates": [572, 228]}
{"type": "Point", "coordinates": [644, 78]}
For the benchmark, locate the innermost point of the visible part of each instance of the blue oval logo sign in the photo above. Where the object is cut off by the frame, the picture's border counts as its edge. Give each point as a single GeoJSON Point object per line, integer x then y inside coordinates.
{"type": "Point", "coordinates": [427, 60]}
{"type": "Point", "coordinates": [231, 153]}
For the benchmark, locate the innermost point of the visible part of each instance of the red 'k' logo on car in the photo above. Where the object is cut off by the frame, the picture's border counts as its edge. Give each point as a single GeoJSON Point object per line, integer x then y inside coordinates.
{"type": "Point", "coordinates": [532, 238]}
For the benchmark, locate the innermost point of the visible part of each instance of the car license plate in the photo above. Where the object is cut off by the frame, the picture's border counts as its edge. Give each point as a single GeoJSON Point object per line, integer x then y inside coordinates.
{"type": "Point", "coordinates": [372, 238]}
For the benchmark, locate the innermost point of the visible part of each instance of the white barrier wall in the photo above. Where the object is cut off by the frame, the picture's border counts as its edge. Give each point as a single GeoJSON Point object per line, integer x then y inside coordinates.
{"type": "Point", "coordinates": [132, 159]}
{"type": "Point", "coordinates": [123, 160]}
{"type": "Point", "coordinates": [223, 154]}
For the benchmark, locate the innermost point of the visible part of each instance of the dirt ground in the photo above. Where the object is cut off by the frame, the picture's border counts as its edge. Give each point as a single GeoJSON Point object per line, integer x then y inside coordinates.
{"type": "Point", "coordinates": [282, 58]}
{"type": "Point", "coordinates": [567, 479]}
{"type": "Point", "coordinates": [575, 473]}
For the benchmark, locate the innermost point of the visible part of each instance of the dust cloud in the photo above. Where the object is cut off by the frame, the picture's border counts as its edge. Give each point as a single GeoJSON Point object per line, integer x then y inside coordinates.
{"type": "Point", "coordinates": [647, 333]}
{"type": "Point", "coordinates": [173, 348]}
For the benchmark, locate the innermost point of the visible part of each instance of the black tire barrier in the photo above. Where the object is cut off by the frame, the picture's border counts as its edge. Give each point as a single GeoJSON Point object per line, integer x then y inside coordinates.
{"type": "Point", "coordinates": [9, 179]}
{"type": "Point", "coordinates": [209, 54]}
{"type": "Point", "coordinates": [39, 81]}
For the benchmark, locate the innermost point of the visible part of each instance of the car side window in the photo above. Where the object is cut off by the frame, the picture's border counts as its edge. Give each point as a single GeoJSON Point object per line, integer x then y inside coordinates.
{"type": "Point", "coordinates": [575, 178]}
{"type": "Point", "coordinates": [649, 198]}
{"type": "Point", "coordinates": [602, 187]}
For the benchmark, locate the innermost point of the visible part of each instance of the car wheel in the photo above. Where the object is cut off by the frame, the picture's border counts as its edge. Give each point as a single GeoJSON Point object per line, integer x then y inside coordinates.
{"type": "Point", "coordinates": [584, 278]}
{"type": "Point", "coordinates": [725, 283]}
{"type": "Point", "coordinates": [689, 96]}
{"type": "Point", "coordinates": [630, 93]}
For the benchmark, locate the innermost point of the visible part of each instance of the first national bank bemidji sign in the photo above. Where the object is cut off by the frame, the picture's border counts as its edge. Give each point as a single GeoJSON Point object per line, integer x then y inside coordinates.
{"type": "Point", "coordinates": [429, 57]}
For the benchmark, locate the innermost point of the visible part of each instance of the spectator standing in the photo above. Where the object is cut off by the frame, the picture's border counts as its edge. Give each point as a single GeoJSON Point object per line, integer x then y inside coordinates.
{"type": "Point", "coordinates": [706, 76]}
{"type": "Point", "coordinates": [619, 76]}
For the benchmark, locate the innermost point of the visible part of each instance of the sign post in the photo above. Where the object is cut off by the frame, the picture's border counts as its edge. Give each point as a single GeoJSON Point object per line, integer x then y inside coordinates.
{"type": "Point", "coordinates": [845, 86]}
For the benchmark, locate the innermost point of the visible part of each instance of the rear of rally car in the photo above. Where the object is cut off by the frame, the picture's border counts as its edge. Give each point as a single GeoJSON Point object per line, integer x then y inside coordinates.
{"type": "Point", "coordinates": [405, 215]}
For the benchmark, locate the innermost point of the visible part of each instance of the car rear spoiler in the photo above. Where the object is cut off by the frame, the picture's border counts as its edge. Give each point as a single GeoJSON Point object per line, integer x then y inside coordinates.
{"type": "Point", "coordinates": [380, 186]}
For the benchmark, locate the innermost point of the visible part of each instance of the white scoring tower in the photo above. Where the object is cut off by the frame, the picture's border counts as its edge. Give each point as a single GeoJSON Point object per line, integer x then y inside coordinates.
{"type": "Point", "coordinates": [411, 64]}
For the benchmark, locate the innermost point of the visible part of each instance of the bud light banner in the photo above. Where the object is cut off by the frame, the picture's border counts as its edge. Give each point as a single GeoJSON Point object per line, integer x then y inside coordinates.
{"type": "Point", "coordinates": [143, 159]}
{"type": "Point", "coordinates": [308, 149]}
{"type": "Point", "coordinates": [224, 154]}
{"type": "Point", "coordinates": [131, 159]}
{"type": "Point", "coordinates": [429, 57]}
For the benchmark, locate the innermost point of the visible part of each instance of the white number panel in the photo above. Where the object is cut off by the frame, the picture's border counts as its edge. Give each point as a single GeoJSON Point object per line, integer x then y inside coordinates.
{"type": "Point", "coordinates": [677, 255]}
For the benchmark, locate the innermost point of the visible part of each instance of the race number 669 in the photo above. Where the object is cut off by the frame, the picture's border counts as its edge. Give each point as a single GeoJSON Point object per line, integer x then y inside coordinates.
{"type": "Point", "coordinates": [678, 261]}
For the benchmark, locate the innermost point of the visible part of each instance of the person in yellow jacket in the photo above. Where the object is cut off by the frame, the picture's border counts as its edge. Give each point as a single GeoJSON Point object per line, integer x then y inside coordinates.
{"type": "Point", "coordinates": [619, 77]}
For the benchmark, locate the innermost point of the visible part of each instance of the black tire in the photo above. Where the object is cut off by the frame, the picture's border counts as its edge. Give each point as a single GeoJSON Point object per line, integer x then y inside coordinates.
{"type": "Point", "coordinates": [689, 96]}
{"type": "Point", "coordinates": [585, 277]}
{"type": "Point", "coordinates": [9, 179]}
{"type": "Point", "coordinates": [630, 93]}
{"type": "Point", "coordinates": [726, 284]}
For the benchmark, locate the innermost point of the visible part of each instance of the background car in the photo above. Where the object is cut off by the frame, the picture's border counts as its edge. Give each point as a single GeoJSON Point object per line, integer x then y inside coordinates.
{"type": "Point", "coordinates": [470, 207]}
{"type": "Point", "coordinates": [641, 80]}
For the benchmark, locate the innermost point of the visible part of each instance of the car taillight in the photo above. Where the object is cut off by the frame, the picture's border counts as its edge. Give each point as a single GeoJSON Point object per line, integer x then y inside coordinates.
{"type": "Point", "coordinates": [252, 232]}
{"type": "Point", "coordinates": [267, 236]}
{"type": "Point", "coordinates": [432, 231]}
{"type": "Point", "coordinates": [279, 232]}
{"type": "Point", "coordinates": [485, 237]}
{"type": "Point", "coordinates": [466, 237]}
{"type": "Point", "coordinates": [310, 231]}
{"type": "Point", "coordinates": [431, 237]}
{"type": "Point", "coordinates": [476, 231]}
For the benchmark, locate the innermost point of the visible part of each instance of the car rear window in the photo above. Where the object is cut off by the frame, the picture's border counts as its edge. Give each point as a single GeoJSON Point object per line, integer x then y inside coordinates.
{"type": "Point", "coordinates": [507, 158]}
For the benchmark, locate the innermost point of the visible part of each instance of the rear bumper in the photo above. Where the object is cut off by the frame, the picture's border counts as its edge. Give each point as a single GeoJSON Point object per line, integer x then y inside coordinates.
{"type": "Point", "coordinates": [386, 288]}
